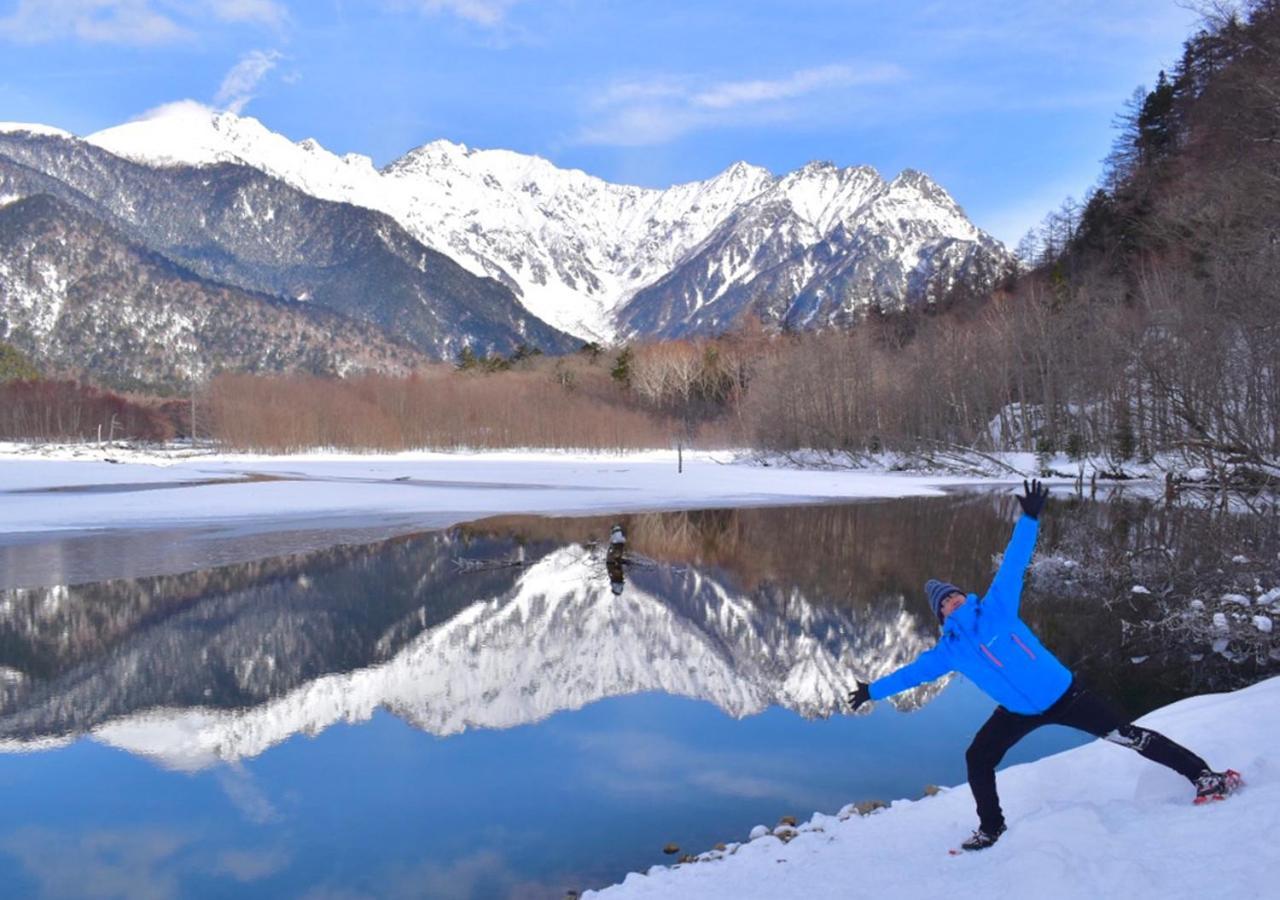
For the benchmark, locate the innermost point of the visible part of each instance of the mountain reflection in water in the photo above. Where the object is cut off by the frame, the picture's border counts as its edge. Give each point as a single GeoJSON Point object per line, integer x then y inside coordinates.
{"type": "Point", "coordinates": [744, 608]}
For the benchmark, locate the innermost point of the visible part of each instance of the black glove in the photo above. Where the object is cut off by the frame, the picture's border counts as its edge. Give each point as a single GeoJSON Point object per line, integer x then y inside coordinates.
{"type": "Point", "coordinates": [1033, 501]}
{"type": "Point", "coordinates": [859, 695]}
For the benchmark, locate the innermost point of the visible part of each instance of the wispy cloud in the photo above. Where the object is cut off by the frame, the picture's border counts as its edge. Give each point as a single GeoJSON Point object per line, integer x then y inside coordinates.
{"type": "Point", "coordinates": [255, 12]}
{"type": "Point", "coordinates": [663, 108]}
{"type": "Point", "coordinates": [131, 22]}
{"type": "Point", "coordinates": [240, 83]}
{"type": "Point", "coordinates": [250, 865]}
{"type": "Point", "coordinates": [488, 13]}
{"type": "Point", "coordinates": [645, 764]}
{"type": "Point", "coordinates": [245, 795]}
{"type": "Point", "coordinates": [116, 863]}
{"type": "Point", "coordinates": [1085, 27]}
{"type": "Point", "coordinates": [93, 21]}
{"type": "Point", "coordinates": [740, 93]}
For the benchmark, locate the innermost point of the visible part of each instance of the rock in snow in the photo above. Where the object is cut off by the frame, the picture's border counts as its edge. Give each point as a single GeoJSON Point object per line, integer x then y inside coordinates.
{"type": "Point", "coordinates": [1095, 821]}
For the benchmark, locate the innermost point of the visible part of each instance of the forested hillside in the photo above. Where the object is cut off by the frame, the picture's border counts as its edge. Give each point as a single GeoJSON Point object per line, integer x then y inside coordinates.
{"type": "Point", "coordinates": [1146, 319]}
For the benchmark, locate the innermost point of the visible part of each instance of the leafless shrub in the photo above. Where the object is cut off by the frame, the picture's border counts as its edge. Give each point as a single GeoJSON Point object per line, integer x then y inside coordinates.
{"type": "Point", "coordinates": [439, 408]}
{"type": "Point", "coordinates": [67, 410]}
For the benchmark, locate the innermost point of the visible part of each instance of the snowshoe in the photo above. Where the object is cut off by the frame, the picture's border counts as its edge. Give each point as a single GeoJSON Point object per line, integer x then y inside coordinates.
{"type": "Point", "coordinates": [1217, 785]}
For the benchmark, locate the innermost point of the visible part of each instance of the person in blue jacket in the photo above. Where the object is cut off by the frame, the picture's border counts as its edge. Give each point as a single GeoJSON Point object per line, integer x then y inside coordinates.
{"type": "Point", "coordinates": [985, 640]}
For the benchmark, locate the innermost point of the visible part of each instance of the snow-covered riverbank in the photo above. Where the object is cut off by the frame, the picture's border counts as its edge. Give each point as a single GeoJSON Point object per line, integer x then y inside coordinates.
{"type": "Point", "coordinates": [1096, 821]}
{"type": "Point", "coordinates": [80, 488]}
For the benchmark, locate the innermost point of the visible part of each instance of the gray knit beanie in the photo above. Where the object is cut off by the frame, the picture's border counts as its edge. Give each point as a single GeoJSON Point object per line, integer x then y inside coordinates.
{"type": "Point", "coordinates": [937, 591]}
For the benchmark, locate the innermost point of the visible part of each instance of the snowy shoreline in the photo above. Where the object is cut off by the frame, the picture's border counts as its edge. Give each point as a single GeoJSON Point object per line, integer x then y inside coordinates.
{"type": "Point", "coordinates": [77, 488]}
{"type": "Point", "coordinates": [1096, 821]}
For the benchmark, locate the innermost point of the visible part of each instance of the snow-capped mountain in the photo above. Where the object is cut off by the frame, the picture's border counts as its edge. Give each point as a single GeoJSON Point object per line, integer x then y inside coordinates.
{"type": "Point", "coordinates": [819, 247]}
{"type": "Point", "coordinates": [602, 260]}
{"type": "Point", "coordinates": [234, 225]}
{"type": "Point", "coordinates": [282, 652]}
{"type": "Point", "coordinates": [82, 296]}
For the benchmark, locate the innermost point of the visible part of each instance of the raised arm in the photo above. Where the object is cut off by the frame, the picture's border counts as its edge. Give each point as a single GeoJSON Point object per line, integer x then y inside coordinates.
{"type": "Point", "coordinates": [1006, 587]}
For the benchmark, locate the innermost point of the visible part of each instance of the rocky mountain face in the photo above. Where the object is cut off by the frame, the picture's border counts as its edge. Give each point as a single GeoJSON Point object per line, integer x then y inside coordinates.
{"type": "Point", "coordinates": [295, 645]}
{"type": "Point", "coordinates": [235, 226]}
{"type": "Point", "coordinates": [820, 247]}
{"type": "Point", "coordinates": [79, 295]}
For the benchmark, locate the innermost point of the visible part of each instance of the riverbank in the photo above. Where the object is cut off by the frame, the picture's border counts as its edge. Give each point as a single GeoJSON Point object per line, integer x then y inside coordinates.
{"type": "Point", "coordinates": [77, 487]}
{"type": "Point", "coordinates": [1093, 821]}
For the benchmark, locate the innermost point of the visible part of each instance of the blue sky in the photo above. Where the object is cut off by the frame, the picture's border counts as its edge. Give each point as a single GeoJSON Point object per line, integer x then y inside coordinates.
{"type": "Point", "coordinates": [1007, 104]}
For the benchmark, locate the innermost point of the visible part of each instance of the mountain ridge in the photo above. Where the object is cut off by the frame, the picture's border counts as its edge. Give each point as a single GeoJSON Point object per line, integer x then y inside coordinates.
{"type": "Point", "coordinates": [575, 249]}
{"type": "Point", "coordinates": [237, 226]}
{"type": "Point", "coordinates": [85, 296]}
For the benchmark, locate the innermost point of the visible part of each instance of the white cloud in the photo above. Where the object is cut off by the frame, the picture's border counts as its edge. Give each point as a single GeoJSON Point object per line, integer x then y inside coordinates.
{"type": "Point", "coordinates": [245, 795]}
{"type": "Point", "coordinates": [114, 863]}
{"type": "Point", "coordinates": [134, 22]}
{"type": "Point", "coordinates": [661, 109]}
{"type": "Point", "coordinates": [255, 12]}
{"type": "Point", "coordinates": [250, 865]}
{"type": "Point", "coordinates": [806, 81]}
{"type": "Point", "coordinates": [489, 13]}
{"type": "Point", "coordinates": [645, 764]}
{"type": "Point", "coordinates": [93, 21]}
{"type": "Point", "coordinates": [242, 80]}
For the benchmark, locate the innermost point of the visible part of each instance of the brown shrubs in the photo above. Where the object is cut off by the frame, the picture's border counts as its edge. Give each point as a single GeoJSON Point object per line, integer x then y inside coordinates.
{"type": "Point", "coordinates": [38, 410]}
{"type": "Point", "coordinates": [438, 408]}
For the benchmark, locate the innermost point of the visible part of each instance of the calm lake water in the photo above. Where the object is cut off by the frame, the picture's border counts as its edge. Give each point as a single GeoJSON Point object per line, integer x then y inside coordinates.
{"type": "Point", "coordinates": [487, 711]}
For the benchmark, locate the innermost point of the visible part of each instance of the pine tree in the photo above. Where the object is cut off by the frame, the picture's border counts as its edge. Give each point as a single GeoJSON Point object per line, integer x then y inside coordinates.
{"type": "Point", "coordinates": [1157, 134]}
{"type": "Point", "coordinates": [621, 371]}
{"type": "Point", "coordinates": [525, 351]}
{"type": "Point", "coordinates": [14, 366]}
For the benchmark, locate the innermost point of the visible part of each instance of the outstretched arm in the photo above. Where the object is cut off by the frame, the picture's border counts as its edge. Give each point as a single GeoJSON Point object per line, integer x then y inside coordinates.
{"type": "Point", "coordinates": [927, 666]}
{"type": "Point", "coordinates": [1006, 587]}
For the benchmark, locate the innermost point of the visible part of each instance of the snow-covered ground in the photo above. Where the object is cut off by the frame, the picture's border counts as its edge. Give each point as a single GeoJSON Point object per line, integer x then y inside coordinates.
{"type": "Point", "coordinates": [76, 488]}
{"type": "Point", "coordinates": [1096, 821]}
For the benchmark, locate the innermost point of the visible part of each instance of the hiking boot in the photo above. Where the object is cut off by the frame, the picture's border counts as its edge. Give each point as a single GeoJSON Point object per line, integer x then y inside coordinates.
{"type": "Point", "coordinates": [1217, 785]}
{"type": "Point", "coordinates": [981, 840]}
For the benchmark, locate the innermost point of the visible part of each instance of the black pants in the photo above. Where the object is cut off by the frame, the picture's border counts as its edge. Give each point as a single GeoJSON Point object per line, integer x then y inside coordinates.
{"type": "Point", "coordinates": [1077, 708]}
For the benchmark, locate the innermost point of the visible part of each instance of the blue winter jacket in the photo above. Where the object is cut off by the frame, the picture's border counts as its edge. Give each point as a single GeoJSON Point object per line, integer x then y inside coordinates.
{"type": "Point", "coordinates": [987, 642]}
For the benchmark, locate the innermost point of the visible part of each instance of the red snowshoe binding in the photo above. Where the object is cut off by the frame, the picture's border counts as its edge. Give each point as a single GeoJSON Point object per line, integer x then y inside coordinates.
{"type": "Point", "coordinates": [1217, 785]}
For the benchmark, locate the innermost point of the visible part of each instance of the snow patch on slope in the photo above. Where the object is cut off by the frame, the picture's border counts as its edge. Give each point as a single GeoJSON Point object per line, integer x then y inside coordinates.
{"type": "Point", "coordinates": [32, 128]}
